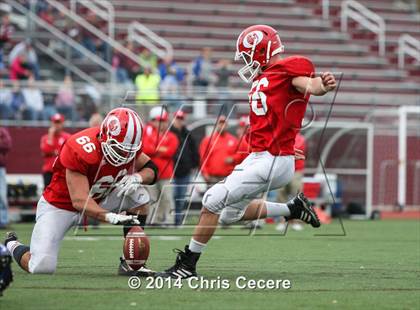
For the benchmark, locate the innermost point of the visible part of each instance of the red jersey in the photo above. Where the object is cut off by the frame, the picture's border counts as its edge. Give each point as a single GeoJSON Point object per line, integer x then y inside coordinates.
{"type": "Point", "coordinates": [82, 153]}
{"type": "Point", "coordinates": [277, 107]}
{"type": "Point", "coordinates": [301, 145]}
{"type": "Point", "coordinates": [50, 149]}
{"type": "Point", "coordinates": [153, 140]}
{"type": "Point", "coordinates": [214, 149]}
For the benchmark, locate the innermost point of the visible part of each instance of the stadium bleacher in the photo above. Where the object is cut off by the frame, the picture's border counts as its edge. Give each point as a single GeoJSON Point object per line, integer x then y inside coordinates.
{"type": "Point", "coordinates": [367, 78]}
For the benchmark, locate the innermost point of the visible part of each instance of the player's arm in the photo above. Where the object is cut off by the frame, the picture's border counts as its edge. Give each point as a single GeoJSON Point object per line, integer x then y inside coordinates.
{"type": "Point", "coordinates": [317, 86]}
{"type": "Point", "coordinates": [146, 173]}
{"type": "Point", "coordinates": [146, 169]}
{"type": "Point", "coordinates": [78, 186]}
{"type": "Point", "coordinates": [47, 148]}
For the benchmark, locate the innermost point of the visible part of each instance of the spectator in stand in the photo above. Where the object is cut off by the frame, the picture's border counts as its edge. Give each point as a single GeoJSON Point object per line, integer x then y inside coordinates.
{"type": "Point", "coordinates": [51, 144]}
{"type": "Point", "coordinates": [132, 67]}
{"type": "Point", "coordinates": [147, 85]}
{"type": "Point", "coordinates": [6, 30]}
{"type": "Point", "coordinates": [223, 73]}
{"type": "Point", "coordinates": [150, 60]}
{"type": "Point", "coordinates": [5, 146]}
{"type": "Point", "coordinates": [46, 13]}
{"type": "Point", "coordinates": [31, 59]}
{"type": "Point", "coordinates": [161, 145]}
{"type": "Point", "coordinates": [18, 102]}
{"type": "Point", "coordinates": [89, 40]}
{"type": "Point", "coordinates": [169, 90]}
{"type": "Point", "coordinates": [34, 101]}
{"type": "Point", "coordinates": [65, 99]}
{"type": "Point", "coordinates": [217, 153]}
{"type": "Point", "coordinates": [121, 73]}
{"type": "Point", "coordinates": [6, 98]}
{"type": "Point", "coordinates": [169, 64]}
{"type": "Point", "coordinates": [19, 69]}
{"type": "Point", "coordinates": [202, 68]}
{"type": "Point", "coordinates": [186, 159]}
{"type": "Point", "coordinates": [295, 185]}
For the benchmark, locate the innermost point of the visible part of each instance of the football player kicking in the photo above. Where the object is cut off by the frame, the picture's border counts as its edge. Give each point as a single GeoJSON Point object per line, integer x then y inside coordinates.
{"type": "Point", "coordinates": [279, 94]}
{"type": "Point", "coordinates": [98, 173]}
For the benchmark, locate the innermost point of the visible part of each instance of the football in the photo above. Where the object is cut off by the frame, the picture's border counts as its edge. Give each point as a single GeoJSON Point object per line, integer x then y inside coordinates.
{"type": "Point", "coordinates": [136, 248]}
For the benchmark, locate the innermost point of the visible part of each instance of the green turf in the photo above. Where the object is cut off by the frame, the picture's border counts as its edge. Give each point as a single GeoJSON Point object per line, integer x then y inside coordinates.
{"type": "Point", "coordinates": [376, 265]}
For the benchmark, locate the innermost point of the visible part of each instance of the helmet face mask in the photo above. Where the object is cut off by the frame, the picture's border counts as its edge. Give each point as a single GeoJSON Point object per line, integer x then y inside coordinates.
{"type": "Point", "coordinates": [250, 69]}
{"type": "Point", "coordinates": [121, 136]}
{"type": "Point", "coordinates": [116, 153]}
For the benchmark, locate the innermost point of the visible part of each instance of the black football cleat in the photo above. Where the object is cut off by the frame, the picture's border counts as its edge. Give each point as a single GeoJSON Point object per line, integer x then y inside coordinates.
{"type": "Point", "coordinates": [125, 270]}
{"type": "Point", "coordinates": [10, 236]}
{"type": "Point", "coordinates": [184, 265]}
{"type": "Point", "coordinates": [301, 209]}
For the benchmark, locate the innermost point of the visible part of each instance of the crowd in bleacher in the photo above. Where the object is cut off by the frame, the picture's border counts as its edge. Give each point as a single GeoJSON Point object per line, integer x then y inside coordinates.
{"type": "Point", "coordinates": [156, 80]}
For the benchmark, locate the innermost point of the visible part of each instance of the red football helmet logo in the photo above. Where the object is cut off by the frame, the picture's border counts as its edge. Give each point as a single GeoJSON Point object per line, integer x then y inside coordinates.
{"type": "Point", "coordinates": [252, 38]}
{"type": "Point", "coordinates": [114, 126]}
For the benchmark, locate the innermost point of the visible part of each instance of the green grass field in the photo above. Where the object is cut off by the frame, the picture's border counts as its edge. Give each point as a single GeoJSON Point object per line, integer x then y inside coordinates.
{"type": "Point", "coordinates": [376, 265]}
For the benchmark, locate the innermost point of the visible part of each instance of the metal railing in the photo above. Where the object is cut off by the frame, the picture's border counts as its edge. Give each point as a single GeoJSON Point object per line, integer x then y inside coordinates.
{"type": "Point", "coordinates": [103, 8]}
{"type": "Point", "coordinates": [60, 35]}
{"type": "Point", "coordinates": [99, 34]}
{"type": "Point", "coordinates": [365, 17]}
{"type": "Point", "coordinates": [68, 65]}
{"type": "Point", "coordinates": [156, 44]}
{"type": "Point", "coordinates": [407, 45]}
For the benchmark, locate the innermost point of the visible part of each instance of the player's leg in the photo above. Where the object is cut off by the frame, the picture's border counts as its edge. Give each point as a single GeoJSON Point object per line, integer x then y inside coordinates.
{"type": "Point", "coordinates": [50, 227]}
{"type": "Point", "coordinates": [274, 172]}
{"type": "Point", "coordinates": [281, 173]}
{"type": "Point", "coordinates": [243, 181]}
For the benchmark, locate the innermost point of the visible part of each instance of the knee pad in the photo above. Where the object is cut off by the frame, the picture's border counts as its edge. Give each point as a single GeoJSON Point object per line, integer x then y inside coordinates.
{"type": "Point", "coordinates": [215, 198]}
{"type": "Point", "coordinates": [231, 215]}
{"type": "Point", "coordinates": [46, 264]}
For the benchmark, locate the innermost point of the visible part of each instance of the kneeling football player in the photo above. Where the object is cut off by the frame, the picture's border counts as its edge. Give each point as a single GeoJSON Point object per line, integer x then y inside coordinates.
{"type": "Point", "coordinates": [99, 173]}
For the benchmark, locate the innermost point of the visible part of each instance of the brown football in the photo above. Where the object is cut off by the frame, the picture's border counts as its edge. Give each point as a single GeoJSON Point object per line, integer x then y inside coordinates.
{"type": "Point", "coordinates": [136, 248]}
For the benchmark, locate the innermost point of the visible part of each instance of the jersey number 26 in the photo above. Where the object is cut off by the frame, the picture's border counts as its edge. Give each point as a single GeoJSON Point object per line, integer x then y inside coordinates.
{"type": "Point", "coordinates": [258, 95]}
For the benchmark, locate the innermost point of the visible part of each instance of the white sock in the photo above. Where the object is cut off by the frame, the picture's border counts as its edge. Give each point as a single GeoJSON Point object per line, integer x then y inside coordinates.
{"type": "Point", "coordinates": [276, 209]}
{"type": "Point", "coordinates": [196, 247]}
{"type": "Point", "coordinates": [12, 245]}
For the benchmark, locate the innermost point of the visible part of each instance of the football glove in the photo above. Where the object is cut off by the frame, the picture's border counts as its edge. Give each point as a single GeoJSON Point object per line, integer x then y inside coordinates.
{"type": "Point", "coordinates": [129, 184]}
{"type": "Point", "coordinates": [121, 219]}
{"type": "Point", "coordinates": [6, 275]}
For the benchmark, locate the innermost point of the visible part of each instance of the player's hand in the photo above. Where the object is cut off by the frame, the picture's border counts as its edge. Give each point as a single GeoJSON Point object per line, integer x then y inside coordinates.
{"type": "Point", "coordinates": [121, 219]}
{"type": "Point", "coordinates": [129, 184]}
{"type": "Point", "coordinates": [299, 155]}
{"type": "Point", "coordinates": [328, 81]}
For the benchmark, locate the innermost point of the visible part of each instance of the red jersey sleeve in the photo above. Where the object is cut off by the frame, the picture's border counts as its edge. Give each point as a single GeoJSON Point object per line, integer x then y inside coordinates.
{"type": "Point", "coordinates": [299, 66]}
{"type": "Point", "coordinates": [171, 146]}
{"type": "Point", "coordinates": [70, 159]}
{"type": "Point", "coordinates": [47, 149]}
